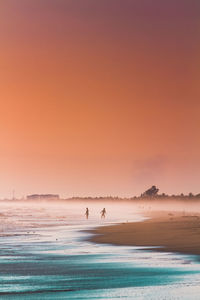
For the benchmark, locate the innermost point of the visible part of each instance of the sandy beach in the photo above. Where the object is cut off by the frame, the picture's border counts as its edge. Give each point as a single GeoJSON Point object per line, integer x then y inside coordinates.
{"type": "Point", "coordinates": [171, 232]}
{"type": "Point", "coordinates": [45, 254]}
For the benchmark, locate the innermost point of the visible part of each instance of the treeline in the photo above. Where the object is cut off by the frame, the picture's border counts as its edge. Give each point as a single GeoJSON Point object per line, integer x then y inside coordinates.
{"type": "Point", "coordinates": [153, 192]}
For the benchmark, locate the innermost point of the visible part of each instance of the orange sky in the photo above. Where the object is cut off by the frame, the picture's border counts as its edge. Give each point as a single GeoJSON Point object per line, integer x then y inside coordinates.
{"type": "Point", "coordinates": [99, 97]}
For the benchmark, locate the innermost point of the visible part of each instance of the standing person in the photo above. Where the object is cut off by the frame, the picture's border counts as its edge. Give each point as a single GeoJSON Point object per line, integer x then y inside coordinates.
{"type": "Point", "coordinates": [103, 213]}
{"type": "Point", "coordinates": [87, 213]}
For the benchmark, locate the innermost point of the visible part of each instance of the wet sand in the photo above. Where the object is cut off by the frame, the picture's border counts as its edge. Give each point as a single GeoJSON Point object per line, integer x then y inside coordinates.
{"type": "Point", "coordinates": [172, 232]}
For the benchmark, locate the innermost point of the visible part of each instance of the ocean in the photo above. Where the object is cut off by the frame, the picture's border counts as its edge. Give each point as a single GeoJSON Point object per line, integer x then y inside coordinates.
{"type": "Point", "coordinates": [45, 254]}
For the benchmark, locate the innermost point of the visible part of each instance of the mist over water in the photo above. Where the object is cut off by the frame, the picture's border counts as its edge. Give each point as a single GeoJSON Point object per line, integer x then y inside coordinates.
{"type": "Point", "coordinates": [44, 254]}
{"type": "Point", "coordinates": [28, 214]}
{"type": "Point", "coordinates": [19, 214]}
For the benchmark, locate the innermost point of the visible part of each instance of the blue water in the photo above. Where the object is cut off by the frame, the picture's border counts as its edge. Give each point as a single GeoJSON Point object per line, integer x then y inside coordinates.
{"type": "Point", "coordinates": [46, 256]}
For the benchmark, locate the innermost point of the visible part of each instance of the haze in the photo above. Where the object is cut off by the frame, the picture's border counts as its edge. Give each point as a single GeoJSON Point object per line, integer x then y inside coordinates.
{"type": "Point", "coordinates": [99, 97]}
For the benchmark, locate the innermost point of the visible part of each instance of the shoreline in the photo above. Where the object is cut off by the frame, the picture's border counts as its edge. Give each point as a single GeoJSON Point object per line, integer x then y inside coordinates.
{"type": "Point", "coordinates": [168, 231]}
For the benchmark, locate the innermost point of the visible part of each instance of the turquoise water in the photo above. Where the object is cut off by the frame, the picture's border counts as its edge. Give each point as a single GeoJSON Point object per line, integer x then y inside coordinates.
{"type": "Point", "coordinates": [47, 256]}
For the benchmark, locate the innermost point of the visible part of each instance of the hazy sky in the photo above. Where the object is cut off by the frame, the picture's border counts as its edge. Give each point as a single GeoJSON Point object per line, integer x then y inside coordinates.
{"type": "Point", "coordinates": [99, 97]}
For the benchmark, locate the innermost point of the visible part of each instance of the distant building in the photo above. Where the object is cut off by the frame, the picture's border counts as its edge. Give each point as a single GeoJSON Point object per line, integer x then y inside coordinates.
{"type": "Point", "coordinates": [43, 197]}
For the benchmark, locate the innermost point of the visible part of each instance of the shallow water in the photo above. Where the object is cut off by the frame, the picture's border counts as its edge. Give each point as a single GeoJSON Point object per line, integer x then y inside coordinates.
{"type": "Point", "coordinates": [44, 255]}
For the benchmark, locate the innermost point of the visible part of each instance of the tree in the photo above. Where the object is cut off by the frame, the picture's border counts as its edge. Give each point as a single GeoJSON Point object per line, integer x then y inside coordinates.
{"type": "Point", "coordinates": [152, 192]}
{"type": "Point", "coordinates": [164, 195]}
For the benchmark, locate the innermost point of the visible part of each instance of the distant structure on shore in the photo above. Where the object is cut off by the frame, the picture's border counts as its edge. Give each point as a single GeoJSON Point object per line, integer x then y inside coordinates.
{"type": "Point", "coordinates": [43, 197]}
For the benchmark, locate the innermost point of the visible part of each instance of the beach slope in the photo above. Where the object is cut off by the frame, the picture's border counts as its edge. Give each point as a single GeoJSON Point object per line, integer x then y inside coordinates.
{"type": "Point", "coordinates": [170, 232]}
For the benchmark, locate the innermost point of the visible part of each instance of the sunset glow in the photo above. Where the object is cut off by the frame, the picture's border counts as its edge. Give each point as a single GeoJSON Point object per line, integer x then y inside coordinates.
{"type": "Point", "coordinates": [99, 97]}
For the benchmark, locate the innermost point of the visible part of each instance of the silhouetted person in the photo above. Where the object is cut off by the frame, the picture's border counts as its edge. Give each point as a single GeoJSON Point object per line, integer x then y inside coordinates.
{"type": "Point", "coordinates": [103, 213]}
{"type": "Point", "coordinates": [87, 213]}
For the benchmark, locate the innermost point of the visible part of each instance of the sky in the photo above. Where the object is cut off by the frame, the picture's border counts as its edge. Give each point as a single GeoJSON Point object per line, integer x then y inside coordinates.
{"type": "Point", "coordinates": [99, 97]}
